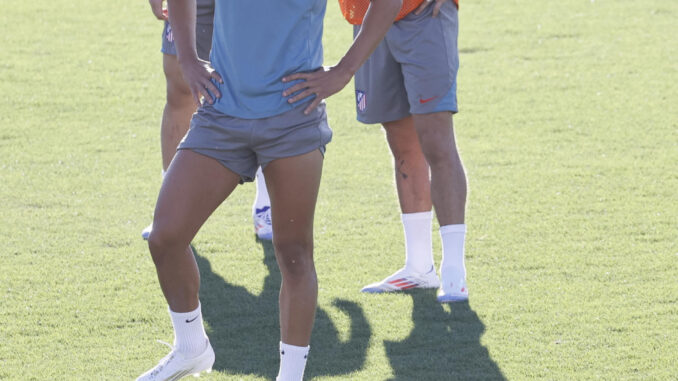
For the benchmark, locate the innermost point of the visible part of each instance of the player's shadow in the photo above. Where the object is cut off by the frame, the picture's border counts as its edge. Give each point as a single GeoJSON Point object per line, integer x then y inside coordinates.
{"type": "Point", "coordinates": [443, 345]}
{"type": "Point", "coordinates": [244, 328]}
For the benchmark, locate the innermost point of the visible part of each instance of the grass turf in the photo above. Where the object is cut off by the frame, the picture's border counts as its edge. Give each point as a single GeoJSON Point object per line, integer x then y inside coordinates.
{"type": "Point", "coordinates": [569, 134]}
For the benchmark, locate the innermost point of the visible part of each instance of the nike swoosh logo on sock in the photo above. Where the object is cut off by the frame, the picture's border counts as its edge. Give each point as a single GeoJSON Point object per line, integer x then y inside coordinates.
{"type": "Point", "coordinates": [192, 320]}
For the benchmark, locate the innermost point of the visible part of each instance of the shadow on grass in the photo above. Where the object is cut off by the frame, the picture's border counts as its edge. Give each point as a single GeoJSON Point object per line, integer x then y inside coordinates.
{"type": "Point", "coordinates": [443, 345]}
{"type": "Point", "coordinates": [244, 328]}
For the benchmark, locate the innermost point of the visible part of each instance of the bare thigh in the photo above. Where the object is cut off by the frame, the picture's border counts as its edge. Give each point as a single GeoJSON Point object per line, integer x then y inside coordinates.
{"type": "Point", "coordinates": [293, 185]}
{"type": "Point", "coordinates": [195, 185]}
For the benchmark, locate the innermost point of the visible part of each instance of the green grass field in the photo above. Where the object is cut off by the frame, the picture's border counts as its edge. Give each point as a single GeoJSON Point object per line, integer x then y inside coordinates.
{"type": "Point", "coordinates": [569, 132]}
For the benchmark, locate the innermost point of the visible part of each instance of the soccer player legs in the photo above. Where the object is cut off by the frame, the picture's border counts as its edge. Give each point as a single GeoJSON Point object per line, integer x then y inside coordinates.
{"type": "Point", "coordinates": [294, 184]}
{"type": "Point", "coordinates": [177, 112]}
{"type": "Point", "coordinates": [194, 187]}
{"type": "Point", "coordinates": [414, 195]}
{"type": "Point", "coordinates": [245, 121]}
{"type": "Point", "coordinates": [409, 85]}
{"type": "Point", "coordinates": [448, 194]}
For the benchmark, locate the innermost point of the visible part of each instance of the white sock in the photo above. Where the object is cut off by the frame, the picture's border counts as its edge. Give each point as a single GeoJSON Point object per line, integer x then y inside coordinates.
{"type": "Point", "coordinates": [292, 362]}
{"type": "Point", "coordinates": [262, 198]}
{"type": "Point", "coordinates": [418, 249]}
{"type": "Point", "coordinates": [453, 237]}
{"type": "Point", "coordinates": [189, 334]}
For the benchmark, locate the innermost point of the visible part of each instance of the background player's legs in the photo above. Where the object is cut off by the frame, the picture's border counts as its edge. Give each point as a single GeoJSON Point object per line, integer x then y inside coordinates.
{"type": "Point", "coordinates": [448, 179]}
{"type": "Point", "coordinates": [293, 185]}
{"type": "Point", "coordinates": [261, 209]}
{"type": "Point", "coordinates": [448, 193]}
{"type": "Point", "coordinates": [179, 108]}
{"type": "Point", "coordinates": [414, 194]}
{"type": "Point", "coordinates": [411, 169]}
{"type": "Point", "coordinates": [176, 115]}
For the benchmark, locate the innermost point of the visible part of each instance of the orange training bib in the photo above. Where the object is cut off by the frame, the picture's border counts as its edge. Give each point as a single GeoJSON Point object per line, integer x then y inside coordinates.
{"type": "Point", "coordinates": [354, 10]}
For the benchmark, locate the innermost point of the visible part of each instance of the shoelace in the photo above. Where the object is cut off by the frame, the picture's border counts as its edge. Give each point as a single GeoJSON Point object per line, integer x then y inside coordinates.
{"type": "Point", "coordinates": [165, 359]}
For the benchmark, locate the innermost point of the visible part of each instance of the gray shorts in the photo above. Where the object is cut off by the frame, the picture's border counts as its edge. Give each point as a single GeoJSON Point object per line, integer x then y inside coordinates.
{"type": "Point", "coordinates": [242, 145]}
{"type": "Point", "coordinates": [204, 12]}
{"type": "Point", "coordinates": [413, 70]}
{"type": "Point", "coordinates": [203, 40]}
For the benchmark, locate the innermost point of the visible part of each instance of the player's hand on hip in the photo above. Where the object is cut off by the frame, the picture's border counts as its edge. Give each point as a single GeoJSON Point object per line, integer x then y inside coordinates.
{"type": "Point", "coordinates": [322, 83]}
{"type": "Point", "coordinates": [158, 11]}
{"type": "Point", "coordinates": [200, 77]}
{"type": "Point", "coordinates": [436, 6]}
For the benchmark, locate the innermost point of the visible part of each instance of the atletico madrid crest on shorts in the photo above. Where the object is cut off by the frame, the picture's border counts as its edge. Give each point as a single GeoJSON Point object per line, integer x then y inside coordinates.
{"type": "Point", "coordinates": [168, 34]}
{"type": "Point", "coordinates": [361, 100]}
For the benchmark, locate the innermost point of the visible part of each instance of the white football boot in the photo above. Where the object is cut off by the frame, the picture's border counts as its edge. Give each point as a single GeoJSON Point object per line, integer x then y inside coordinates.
{"type": "Point", "coordinates": [404, 279]}
{"type": "Point", "coordinates": [262, 223]}
{"type": "Point", "coordinates": [147, 231]}
{"type": "Point", "coordinates": [453, 286]}
{"type": "Point", "coordinates": [175, 366]}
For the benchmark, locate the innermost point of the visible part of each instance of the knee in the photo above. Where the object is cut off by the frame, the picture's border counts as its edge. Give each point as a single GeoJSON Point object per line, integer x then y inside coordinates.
{"type": "Point", "coordinates": [440, 152]}
{"type": "Point", "coordinates": [439, 158]}
{"type": "Point", "coordinates": [178, 92]}
{"type": "Point", "coordinates": [295, 260]}
{"type": "Point", "coordinates": [409, 153]}
{"type": "Point", "coordinates": [178, 96]}
{"type": "Point", "coordinates": [404, 143]}
{"type": "Point", "coordinates": [161, 242]}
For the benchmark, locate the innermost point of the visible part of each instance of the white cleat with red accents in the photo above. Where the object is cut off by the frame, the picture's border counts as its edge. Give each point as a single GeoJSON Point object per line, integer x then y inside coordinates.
{"type": "Point", "coordinates": [453, 286]}
{"type": "Point", "coordinates": [404, 279]}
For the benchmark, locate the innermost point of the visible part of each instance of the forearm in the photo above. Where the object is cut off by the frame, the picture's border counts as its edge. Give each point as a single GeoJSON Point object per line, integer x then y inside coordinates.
{"type": "Point", "coordinates": [182, 16]}
{"type": "Point", "coordinates": [378, 19]}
